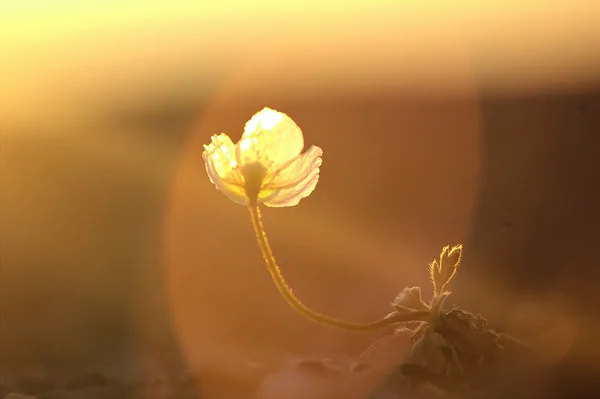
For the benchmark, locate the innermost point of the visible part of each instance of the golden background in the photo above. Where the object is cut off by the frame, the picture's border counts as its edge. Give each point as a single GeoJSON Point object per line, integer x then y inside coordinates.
{"type": "Point", "coordinates": [441, 123]}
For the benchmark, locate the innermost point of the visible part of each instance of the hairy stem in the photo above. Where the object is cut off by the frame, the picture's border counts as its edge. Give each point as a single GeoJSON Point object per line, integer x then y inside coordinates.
{"type": "Point", "coordinates": [305, 311]}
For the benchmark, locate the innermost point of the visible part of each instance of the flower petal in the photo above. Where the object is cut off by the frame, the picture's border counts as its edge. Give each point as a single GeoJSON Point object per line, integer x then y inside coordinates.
{"type": "Point", "coordinates": [270, 138]}
{"type": "Point", "coordinates": [295, 181]}
{"type": "Point", "coordinates": [220, 163]}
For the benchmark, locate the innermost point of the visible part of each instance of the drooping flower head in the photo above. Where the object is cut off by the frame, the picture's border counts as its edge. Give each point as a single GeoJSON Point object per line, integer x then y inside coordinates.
{"type": "Point", "coordinates": [267, 164]}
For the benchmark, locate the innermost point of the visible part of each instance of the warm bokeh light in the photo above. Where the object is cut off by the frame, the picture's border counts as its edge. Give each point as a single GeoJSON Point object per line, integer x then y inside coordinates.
{"type": "Point", "coordinates": [441, 122]}
{"type": "Point", "coordinates": [55, 52]}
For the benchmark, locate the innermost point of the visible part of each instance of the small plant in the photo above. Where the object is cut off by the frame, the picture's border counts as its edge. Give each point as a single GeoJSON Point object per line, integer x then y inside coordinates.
{"type": "Point", "coordinates": [452, 350]}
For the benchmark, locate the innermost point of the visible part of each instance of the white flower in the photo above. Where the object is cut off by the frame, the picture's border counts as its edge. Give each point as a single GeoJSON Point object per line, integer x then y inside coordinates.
{"type": "Point", "coordinates": [266, 165]}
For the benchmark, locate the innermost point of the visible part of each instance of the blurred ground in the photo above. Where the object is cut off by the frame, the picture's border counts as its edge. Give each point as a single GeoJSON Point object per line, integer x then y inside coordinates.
{"type": "Point", "coordinates": [119, 255]}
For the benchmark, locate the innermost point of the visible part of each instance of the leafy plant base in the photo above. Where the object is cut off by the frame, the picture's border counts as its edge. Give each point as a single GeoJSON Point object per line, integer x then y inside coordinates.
{"type": "Point", "coordinates": [456, 354]}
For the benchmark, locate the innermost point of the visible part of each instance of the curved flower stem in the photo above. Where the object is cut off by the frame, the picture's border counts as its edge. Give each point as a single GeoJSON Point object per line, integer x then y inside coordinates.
{"type": "Point", "coordinates": [295, 303]}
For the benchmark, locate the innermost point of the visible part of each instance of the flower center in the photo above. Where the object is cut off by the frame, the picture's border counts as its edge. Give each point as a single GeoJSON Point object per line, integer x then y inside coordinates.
{"type": "Point", "coordinates": [254, 174]}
